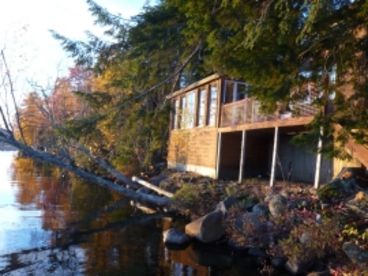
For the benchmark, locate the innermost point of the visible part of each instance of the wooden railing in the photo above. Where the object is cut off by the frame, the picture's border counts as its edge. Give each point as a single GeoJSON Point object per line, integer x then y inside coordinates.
{"type": "Point", "coordinates": [248, 111]}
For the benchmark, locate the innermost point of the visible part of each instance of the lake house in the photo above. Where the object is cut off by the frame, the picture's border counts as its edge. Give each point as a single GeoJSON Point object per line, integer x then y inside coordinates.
{"type": "Point", "coordinates": [218, 131]}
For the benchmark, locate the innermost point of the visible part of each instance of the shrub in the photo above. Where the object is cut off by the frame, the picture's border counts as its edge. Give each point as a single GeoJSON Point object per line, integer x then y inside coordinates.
{"type": "Point", "coordinates": [187, 195]}
{"type": "Point", "coordinates": [328, 193]}
{"type": "Point", "coordinates": [310, 240]}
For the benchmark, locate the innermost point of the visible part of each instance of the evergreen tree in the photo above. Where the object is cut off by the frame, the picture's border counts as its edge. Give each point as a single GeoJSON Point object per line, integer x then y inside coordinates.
{"type": "Point", "coordinates": [276, 46]}
{"type": "Point", "coordinates": [279, 46]}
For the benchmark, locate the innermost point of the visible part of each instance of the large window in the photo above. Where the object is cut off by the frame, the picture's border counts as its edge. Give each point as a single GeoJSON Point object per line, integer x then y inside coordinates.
{"type": "Point", "coordinates": [177, 112]}
{"type": "Point", "coordinates": [228, 92]}
{"type": "Point", "coordinates": [202, 95]}
{"type": "Point", "coordinates": [196, 108]}
{"type": "Point", "coordinates": [212, 105]}
{"type": "Point", "coordinates": [234, 91]}
{"type": "Point", "coordinates": [188, 108]}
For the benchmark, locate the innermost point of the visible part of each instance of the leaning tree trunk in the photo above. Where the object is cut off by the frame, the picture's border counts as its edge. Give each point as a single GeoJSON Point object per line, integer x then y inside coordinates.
{"type": "Point", "coordinates": [83, 173]}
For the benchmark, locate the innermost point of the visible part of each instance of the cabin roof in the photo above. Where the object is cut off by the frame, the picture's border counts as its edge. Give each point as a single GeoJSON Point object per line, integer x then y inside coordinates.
{"type": "Point", "coordinates": [194, 85]}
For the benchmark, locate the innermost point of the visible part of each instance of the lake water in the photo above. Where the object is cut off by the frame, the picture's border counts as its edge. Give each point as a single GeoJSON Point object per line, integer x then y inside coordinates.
{"type": "Point", "coordinates": [53, 224]}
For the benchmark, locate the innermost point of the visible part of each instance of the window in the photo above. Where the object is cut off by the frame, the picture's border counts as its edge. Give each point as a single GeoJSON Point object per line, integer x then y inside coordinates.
{"type": "Point", "coordinates": [241, 91]}
{"type": "Point", "coordinates": [234, 91]}
{"type": "Point", "coordinates": [183, 110]}
{"type": "Point", "coordinates": [188, 108]}
{"type": "Point", "coordinates": [202, 106]}
{"type": "Point", "coordinates": [177, 114]}
{"type": "Point", "coordinates": [228, 92]}
{"type": "Point", "coordinates": [212, 105]}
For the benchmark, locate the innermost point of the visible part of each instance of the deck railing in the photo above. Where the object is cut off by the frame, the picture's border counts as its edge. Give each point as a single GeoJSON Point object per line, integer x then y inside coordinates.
{"type": "Point", "coordinates": [248, 111]}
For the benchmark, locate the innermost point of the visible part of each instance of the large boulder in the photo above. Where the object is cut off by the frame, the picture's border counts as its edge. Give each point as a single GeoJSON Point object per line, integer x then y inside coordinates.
{"type": "Point", "coordinates": [173, 236]}
{"type": "Point", "coordinates": [339, 188]}
{"type": "Point", "coordinates": [277, 205]}
{"type": "Point", "coordinates": [208, 228]}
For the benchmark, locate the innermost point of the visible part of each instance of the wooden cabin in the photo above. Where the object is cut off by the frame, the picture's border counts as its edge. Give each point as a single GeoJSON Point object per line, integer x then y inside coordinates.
{"type": "Point", "coordinates": [220, 132]}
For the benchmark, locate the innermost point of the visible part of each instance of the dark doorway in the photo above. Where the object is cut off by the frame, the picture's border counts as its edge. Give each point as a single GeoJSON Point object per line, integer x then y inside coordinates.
{"type": "Point", "coordinates": [258, 151]}
{"type": "Point", "coordinates": [230, 155]}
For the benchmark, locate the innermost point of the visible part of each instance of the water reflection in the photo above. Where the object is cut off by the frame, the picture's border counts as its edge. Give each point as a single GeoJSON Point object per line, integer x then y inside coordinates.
{"type": "Point", "coordinates": [51, 223]}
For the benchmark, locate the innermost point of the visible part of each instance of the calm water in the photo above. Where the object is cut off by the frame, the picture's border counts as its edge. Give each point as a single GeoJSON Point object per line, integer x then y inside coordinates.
{"type": "Point", "coordinates": [51, 224]}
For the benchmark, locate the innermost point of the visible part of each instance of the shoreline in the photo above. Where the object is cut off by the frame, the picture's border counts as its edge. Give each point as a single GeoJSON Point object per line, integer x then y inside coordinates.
{"type": "Point", "coordinates": [291, 227]}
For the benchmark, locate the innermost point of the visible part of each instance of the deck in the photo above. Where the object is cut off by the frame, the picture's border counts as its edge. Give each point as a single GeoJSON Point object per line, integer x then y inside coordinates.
{"type": "Point", "coordinates": [246, 114]}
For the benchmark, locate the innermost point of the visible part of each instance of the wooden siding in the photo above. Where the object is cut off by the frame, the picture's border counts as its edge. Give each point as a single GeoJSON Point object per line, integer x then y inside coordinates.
{"type": "Point", "coordinates": [193, 147]}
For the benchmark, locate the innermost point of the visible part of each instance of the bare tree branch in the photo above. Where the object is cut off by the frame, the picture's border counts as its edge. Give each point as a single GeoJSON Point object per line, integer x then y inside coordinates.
{"type": "Point", "coordinates": [10, 80]}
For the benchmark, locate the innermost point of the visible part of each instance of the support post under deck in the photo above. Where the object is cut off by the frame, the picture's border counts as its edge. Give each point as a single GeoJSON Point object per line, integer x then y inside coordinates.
{"type": "Point", "coordinates": [218, 156]}
{"type": "Point", "coordinates": [318, 161]}
{"type": "Point", "coordinates": [274, 154]}
{"type": "Point", "coordinates": [242, 155]}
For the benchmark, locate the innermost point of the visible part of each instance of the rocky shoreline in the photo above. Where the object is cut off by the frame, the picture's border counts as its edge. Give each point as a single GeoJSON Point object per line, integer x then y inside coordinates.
{"type": "Point", "coordinates": [291, 228]}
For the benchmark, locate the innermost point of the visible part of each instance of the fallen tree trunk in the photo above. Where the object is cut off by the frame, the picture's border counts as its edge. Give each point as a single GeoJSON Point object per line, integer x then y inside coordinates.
{"type": "Point", "coordinates": [152, 187]}
{"type": "Point", "coordinates": [83, 173]}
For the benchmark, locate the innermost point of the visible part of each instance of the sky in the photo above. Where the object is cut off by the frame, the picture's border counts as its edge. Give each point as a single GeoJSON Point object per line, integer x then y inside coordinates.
{"type": "Point", "coordinates": [33, 54]}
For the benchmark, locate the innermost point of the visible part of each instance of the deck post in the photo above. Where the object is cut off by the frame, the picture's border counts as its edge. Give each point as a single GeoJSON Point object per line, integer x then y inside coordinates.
{"type": "Point", "coordinates": [242, 155]}
{"type": "Point", "coordinates": [218, 156]}
{"type": "Point", "coordinates": [318, 160]}
{"type": "Point", "coordinates": [274, 154]}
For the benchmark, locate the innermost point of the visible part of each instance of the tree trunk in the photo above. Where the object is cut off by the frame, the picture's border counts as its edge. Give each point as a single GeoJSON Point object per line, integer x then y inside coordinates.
{"type": "Point", "coordinates": [48, 158]}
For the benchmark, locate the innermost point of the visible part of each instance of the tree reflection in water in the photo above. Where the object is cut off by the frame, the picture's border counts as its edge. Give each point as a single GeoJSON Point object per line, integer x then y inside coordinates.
{"type": "Point", "coordinates": [91, 231]}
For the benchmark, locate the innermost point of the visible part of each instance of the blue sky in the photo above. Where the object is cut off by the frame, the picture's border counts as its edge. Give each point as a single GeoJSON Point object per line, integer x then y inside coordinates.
{"type": "Point", "coordinates": [33, 55]}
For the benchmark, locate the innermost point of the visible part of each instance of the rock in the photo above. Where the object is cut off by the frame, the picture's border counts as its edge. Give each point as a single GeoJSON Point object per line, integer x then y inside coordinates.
{"type": "Point", "coordinates": [278, 262]}
{"type": "Point", "coordinates": [318, 218]}
{"type": "Point", "coordinates": [297, 266]}
{"type": "Point", "coordinates": [277, 205]}
{"type": "Point", "coordinates": [284, 193]}
{"type": "Point", "coordinates": [221, 207]}
{"type": "Point", "coordinates": [255, 228]}
{"type": "Point", "coordinates": [355, 253]}
{"type": "Point", "coordinates": [260, 210]}
{"type": "Point", "coordinates": [224, 205]}
{"type": "Point", "coordinates": [359, 204]}
{"type": "Point", "coordinates": [257, 252]}
{"type": "Point", "coordinates": [305, 238]}
{"type": "Point", "coordinates": [175, 237]}
{"type": "Point", "coordinates": [249, 222]}
{"type": "Point", "coordinates": [208, 228]}
{"type": "Point", "coordinates": [338, 189]}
